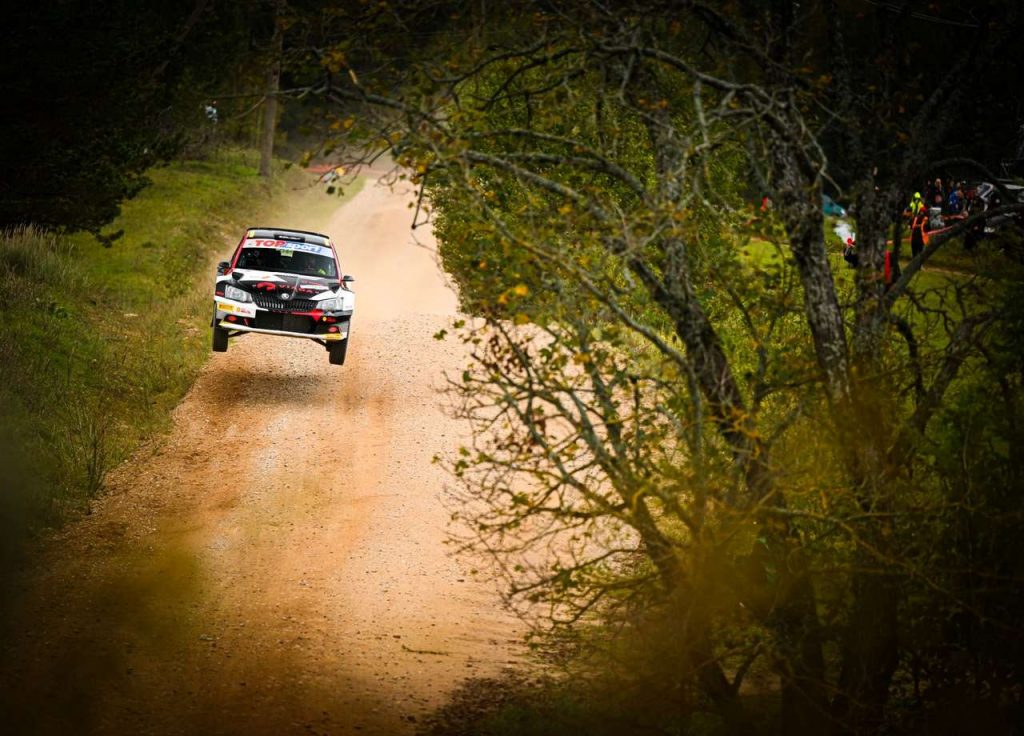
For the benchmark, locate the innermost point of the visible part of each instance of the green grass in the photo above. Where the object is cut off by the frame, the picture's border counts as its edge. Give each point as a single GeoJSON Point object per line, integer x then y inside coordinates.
{"type": "Point", "coordinates": [761, 254]}
{"type": "Point", "coordinates": [98, 344]}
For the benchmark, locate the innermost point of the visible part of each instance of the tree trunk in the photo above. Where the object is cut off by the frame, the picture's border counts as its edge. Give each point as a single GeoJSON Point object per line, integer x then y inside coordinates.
{"type": "Point", "coordinates": [270, 105]}
{"type": "Point", "coordinates": [799, 202]}
{"type": "Point", "coordinates": [780, 593]}
{"type": "Point", "coordinates": [870, 653]}
{"type": "Point", "coordinates": [781, 589]}
{"type": "Point", "coordinates": [869, 647]}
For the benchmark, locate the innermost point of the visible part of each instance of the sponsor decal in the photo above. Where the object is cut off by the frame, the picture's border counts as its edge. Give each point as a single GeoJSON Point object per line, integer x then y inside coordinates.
{"type": "Point", "coordinates": [288, 246]}
{"type": "Point", "coordinates": [243, 310]}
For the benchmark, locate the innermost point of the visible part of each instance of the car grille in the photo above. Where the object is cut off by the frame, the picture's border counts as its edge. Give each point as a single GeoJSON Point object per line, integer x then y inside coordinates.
{"type": "Point", "coordinates": [284, 322]}
{"type": "Point", "coordinates": [292, 305]}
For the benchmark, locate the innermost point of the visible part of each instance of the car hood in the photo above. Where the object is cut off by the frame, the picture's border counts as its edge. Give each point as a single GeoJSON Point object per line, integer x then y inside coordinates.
{"type": "Point", "coordinates": [270, 282]}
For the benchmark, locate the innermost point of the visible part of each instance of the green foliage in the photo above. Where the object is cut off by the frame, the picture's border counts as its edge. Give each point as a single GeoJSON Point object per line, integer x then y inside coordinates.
{"type": "Point", "coordinates": [962, 659]}
{"type": "Point", "coordinates": [692, 415]}
{"type": "Point", "coordinates": [515, 249]}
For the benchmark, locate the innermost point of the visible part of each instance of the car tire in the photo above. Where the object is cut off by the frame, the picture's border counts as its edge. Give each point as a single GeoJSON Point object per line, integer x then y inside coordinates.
{"type": "Point", "coordinates": [336, 352]}
{"type": "Point", "coordinates": [220, 340]}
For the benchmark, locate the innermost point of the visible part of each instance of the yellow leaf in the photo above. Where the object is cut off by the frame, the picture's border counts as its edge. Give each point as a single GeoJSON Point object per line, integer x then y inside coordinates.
{"type": "Point", "coordinates": [565, 209]}
{"type": "Point", "coordinates": [520, 290]}
{"type": "Point", "coordinates": [521, 319]}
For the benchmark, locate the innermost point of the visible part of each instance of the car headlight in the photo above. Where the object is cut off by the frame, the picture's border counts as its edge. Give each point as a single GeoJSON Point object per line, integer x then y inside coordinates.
{"type": "Point", "coordinates": [334, 304]}
{"type": "Point", "coordinates": [239, 295]}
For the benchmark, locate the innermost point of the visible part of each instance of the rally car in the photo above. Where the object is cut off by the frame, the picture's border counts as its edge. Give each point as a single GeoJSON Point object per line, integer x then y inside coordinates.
{"type": "Point", "coordinates": [284, 282]}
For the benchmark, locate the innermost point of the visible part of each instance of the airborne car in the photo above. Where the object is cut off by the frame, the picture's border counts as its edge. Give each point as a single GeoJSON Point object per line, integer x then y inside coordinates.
{"type": "Point", "coordinates": [284, 282]}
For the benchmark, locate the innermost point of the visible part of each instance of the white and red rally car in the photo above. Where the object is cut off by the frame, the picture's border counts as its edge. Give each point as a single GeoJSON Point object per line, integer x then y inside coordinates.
{"type": "Point", "coordinates": [284, 282]}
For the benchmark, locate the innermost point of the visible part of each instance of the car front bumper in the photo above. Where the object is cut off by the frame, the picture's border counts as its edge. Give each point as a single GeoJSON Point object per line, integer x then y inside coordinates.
{"type": "Point", "coordinates": [312, 325]}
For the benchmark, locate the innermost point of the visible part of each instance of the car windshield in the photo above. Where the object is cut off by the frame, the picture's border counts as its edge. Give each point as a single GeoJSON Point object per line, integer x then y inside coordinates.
{"type": "Point", "coordinates": [287, 260]}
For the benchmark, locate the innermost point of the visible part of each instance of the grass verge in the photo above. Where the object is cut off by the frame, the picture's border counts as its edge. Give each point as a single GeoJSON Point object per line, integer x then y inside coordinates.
{"type": "Point", "coordinates": [98, 344]}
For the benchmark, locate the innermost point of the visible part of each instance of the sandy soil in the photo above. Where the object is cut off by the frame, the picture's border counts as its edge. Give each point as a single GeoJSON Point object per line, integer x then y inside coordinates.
{"type": "Point", "coordinates": [276, 564]}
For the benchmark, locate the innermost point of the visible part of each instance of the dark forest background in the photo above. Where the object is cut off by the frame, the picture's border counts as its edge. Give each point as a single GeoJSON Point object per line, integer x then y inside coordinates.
{"type": "Point", "coordinates": [740, 484]}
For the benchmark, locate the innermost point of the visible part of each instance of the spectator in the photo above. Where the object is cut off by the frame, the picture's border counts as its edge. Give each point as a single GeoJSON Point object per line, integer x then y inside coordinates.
{"type": "Point", "coordinates": [892, 271]}
{"type": "Point", "coordinates": [935, 195]}
{"type": "Point", "coordinates": [955, 202]}
{"type": "Point", "coordinates": [918, 218]}
{"type": "Point", "coordinates": [974, 234]}
{"type": "Point", "coordinates": [850, 253]}
{"type": "Point", "coordinates": [916, 205]}
{"type": "Point", "coordinates": [968, 200]}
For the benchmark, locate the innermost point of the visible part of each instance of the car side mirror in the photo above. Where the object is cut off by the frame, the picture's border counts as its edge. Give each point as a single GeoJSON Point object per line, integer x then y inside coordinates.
{"type": "Point", "coordinates": [347, 279]}
{"type": "Point", "coordinates": [222, 268]}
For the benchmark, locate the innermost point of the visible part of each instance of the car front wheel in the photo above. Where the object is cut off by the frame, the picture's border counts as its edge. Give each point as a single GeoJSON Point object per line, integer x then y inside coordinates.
{"type": "Point", "coordinates": [220, 340]}
{"type": "Point", "coordinates": [336, 352]}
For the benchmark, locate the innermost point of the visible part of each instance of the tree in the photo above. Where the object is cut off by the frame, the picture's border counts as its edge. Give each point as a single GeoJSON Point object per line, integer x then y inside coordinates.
{"type": "Point", "coordinates": [97, 93]}
{"type": "Point", "coordinates": [660, 418]}
{"type": "Point", "coordinates": [270, 100]}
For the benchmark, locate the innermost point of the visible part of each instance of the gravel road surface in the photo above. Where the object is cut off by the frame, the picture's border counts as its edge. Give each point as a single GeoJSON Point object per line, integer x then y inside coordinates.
{"type": "Point", "coordinates": [276, 564]}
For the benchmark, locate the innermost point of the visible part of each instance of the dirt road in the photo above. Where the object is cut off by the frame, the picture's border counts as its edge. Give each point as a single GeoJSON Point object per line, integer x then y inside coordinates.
{"type": "Point", "coordinates": [276, 564]}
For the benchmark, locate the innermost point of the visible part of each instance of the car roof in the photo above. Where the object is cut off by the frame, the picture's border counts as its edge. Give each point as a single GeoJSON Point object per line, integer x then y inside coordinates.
{"type": "Point", "coordinates": [281, 233]}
